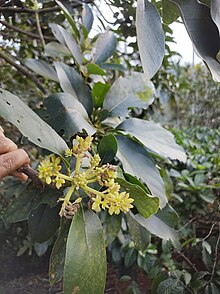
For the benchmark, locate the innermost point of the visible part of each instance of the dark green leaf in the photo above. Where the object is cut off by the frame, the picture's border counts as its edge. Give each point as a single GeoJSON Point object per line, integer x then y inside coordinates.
{"type": "Point", "coordinates": [139, 235]}
{"type": "Point", "coordinates": [214, 289]}
{"type": "Point", "coordinates": [99, 92]}
{"type": "Point", "coordinates": [87, 17]}
{"type": "Point", "coordinates": [154, 137]}
{"type": "Point", "coordinates": [107, 148]}
{"type": "Point", "coordinates": [130, 91]}
{"type": "Point", "coordinates": [68, 114]}
{"type": "Point", "coordinates": [112, 226]}
{"type": "Point", "coordinates": [104, 47]}
{"type": "Point", "coordinates": [168, 215]}
{"type": "Point", "coordinates": [42, 68]}
{"type": "Point", "coordinates": [130, 257]}
{"type": "Point", "coordinates": [203, 32]}
{"type": "Point", "coordinates": [113, 66]}
{"type": "Point", "coordinates": [72, 83]}
{"type": "Point", "coordinates": [215, 13]}
{"type": "Point", "coordinates": [145, 203]}
{"type": "Point", "coordinates": [43, 222]}
{"type": "Point", "coordinates": [85, 262]}
{"type": "Point", "coordinates": [30, 199]}
{"type": "Point", "coordinates": [170, 286]}
{"type": "Point", "coordinates": [95, 69]}
{"type": "Point", "coordinates": [136, 161]}
{"type": "Point", "coordinates": [29, 123]}
{"type": "Point", "coordinates": [170, 12]}
{"type": "Point", "coordinates": [157, 280]}
{"type": "Point", "coordinates": [57, 257]}
{"type": "Point", "coordinates": [150, 37]}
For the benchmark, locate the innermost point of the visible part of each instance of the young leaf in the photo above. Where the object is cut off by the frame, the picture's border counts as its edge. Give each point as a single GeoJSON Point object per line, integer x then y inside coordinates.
{"type": "Point", "coordinates": [99, 92]}
{"type": "Point", "coordinates": [87, 17]}
{"type": "Point", "coordinates": [131, 91]}
{"type": "Point", "coordinates": [150, 37]}
{"type": "Point", "coordinates": [154, 137]}
{"type": "Point", "coordinates": [42, 68]}
{"type": "Point", "coordinates": [104, 47]}
{"type": "Point", "coordinates": [29, 123]}
{"type": "Point", "coordinates": [43, 222]}
{"type": "Point", "coordinates": [145, 203]}
{"type": "Point", "coordinates": [137, 161]}
{"type": "Point", "coordinates": [68, 114]}
{"type": "Point", "coordinates": [203, 32]}
{"type": "Point", "coordinates": [85, 262]}
{"type": "Point", "coordinates": [57, 257]}
{"type": "Point", "coordinates": [170, 12]}
{"type": "Point", "coordinates": [107, 148]}
{"type": "Point", "coordinates": [95, 69]}
{"type": "Point", "coordinates": [72, 83]}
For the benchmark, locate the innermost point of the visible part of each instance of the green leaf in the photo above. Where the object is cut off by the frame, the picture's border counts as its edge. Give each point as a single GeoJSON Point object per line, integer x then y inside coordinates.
{"type": "Point", "coordinates": [43, 222]}
{"type": "Point", "coordinates": [107, 148]}
{"type": "Point", "coordinates": [95, 69]}
{"type": "Point", "coordinates": [69, 18]}
{"type": "Point", "coordinates": [19, 209]}
{"type": "Point", "coordinates": [214, 289]}
{"type": "Point", "coordinates": [203, 32]}
{"type": "Point", "coordinates": [72, 83]}
{"type": "Point", "coordinates": [137, 162]}
{"type": "Point", "coordinates": [139, 235]}
{"type": "Point", "coordinates": [87, 17]}
{"type": "Point", "coordinates": [157, 227]}
{"type": "Point", "coordinates": [154, 137]}
{"type": "Point", "coordinates": [113, 66]}
{"type": "Point", "coordinates": [29, 123]}
{"type": "Point", "coordinates": [161, 276]}
{"type": "Point", "coordinates": [112, 226]}
{"type": "Point", "coordinates": [99, 92]}
{"type": "Point", "coordinates": [134, 90]}
{"type": "Point", "coordinates": [170, 12]}
{"type": "Point", "coordinates": [145, 203]}
{"type": "Point", "coordinates": [68, 114]}
{"type": "Point", "coordinates": [57, 257]}
{"type": "Point", "coordinates": [67, 40]}
{"type": "Point", "coordinates": [42, 68]}
{"type": "Point", "coordinates": [130, 257]}
{"type": "Point", "coordinates": [104, 47]}
{"type": "Point", "coordinates": [170, 286]}
{"type": "Point", "coordinates": [85, 262]}
{"type": "Point", "coordinates": [215, 13]}
{"type": "Point", "coordinates": [55, 49]}
{"type": "Point", "coordinates": [168, 215]}
{"type": "Point", "coordinates": [150, 37]}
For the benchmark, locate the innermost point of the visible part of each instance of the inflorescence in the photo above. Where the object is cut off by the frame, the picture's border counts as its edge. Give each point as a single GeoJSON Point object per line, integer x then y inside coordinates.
{"type": "Point", "coordinates": [108, 196]}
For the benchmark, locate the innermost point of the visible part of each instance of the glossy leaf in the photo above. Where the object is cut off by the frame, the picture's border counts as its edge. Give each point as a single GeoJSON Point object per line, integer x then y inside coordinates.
{"type": "Point", "coordinates": [29, 123]}
{"type": "Point", "coordinates": [69, 18]}
{"type": "Point", "coordinates": [168, 215]}
{"type": "Point", "coordinates": [154, 137]}
{"type": "Point", "coordinates": [107, 148]}
{"type": "Point", "coordinates": [139, 235]}
{"type": "Point", "coordinates": [157, 227]}
{"type": "Point", "coordinates": [43, 222]}
{"type": "Point", "coordinates": [170, 12]}
{"type": "Point", "coordinates": [150, 37]}
{"type": "Point", "coordinates": [55, 49]}
{"type": "Point", "coordinates": [87, 17]}
{"type": "Point", "coordinates": [20, 207]}
{"type": "Point", "coordinates": [137, 162]}
{"type": "Point", "coordinates": [57, 257]}
{"type": "Point", "coordinates": [113, 66]}
{"type": "Point", "coordinates": [131, 91]}
{"type": "Point", "coordinates": [203, 32]}
{"type": "Point", "coordinates": [67, 39]}
{"type": "Point", "coordinates": [171, 285]}
{"type": "Point", "coordinates": [99, 92]}
{"type": "Point", "coordinates": [85, 262]}
{"type": "Point", "coordinates": [95, 69]}
{"type": "Point", "coordinates": [42, 68]}
{"type": "Point", "coordinates": [104, 47]}
{"type": "Point", "coordinates": [145, 203]}
{"type": "Point", "coordinates": [215, 13]}
{"type": "Point", "coordinates": [112, 226]}
{"type": "Point", "coordinates": [68, 114]}
{"type": "Point", "coordinates": [72, 83]}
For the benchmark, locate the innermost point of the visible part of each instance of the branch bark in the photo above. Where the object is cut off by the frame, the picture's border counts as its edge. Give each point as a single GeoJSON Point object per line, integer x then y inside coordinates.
{"type": "Point", "coordinates": [23, 70]}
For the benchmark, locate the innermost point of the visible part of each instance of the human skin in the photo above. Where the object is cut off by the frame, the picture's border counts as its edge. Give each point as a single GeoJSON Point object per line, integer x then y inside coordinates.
{"type": "Point", "coordinates": [11, 158]}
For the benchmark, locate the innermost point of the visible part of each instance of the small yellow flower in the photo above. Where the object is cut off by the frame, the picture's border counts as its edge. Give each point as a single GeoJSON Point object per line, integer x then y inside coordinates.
{"type": "Point", "coordinates": [80, 180]}
{"type": "Point", "coordinates": [82, 146]}
{"type": "Point", "coordinates": [69, 153]}
{"type": "Point", "coordinates": [96, 204]}
{"type": "Point", "coordinates": [59, 182]}
{"type": "Point", "coordinates": [95, 160]}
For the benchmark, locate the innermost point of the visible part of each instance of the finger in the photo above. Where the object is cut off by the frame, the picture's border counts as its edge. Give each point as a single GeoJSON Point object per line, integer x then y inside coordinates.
{"type": "Point", "coordinates": [20, 176]}
{"type": "Point", "coordinates": [6, 145]}
{"type": "Point", "coordinates": [12, 161]}
{"type": "Point", "coordinates": [1, 131]}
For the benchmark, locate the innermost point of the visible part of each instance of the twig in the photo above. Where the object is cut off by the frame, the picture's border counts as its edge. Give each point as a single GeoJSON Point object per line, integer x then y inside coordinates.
{"type": "Point", "coordinates": [215, 256]}
{"type": "Point", "coordinates": [189, 222]}
{"type": "Point", "coordinates": [39, 29]}
{"type": "Point", "coordinates": [188, 261]}
{"type": "Point", "coordinates": [210, 231]}
{"type": "Point", "coordinates": [24, 71]}
{"type": "Point", "coordinates": [8, 25]}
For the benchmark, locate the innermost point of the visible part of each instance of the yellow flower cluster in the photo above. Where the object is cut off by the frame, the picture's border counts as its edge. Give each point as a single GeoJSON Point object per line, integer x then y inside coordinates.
{"type": "Point", "coordinates": [107, 197]}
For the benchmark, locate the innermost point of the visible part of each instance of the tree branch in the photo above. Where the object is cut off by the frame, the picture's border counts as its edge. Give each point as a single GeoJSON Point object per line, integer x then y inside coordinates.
{"type": "Point", "coordinates": [8, 25]}
{"type": "Point", "coordinates": [24, 71]}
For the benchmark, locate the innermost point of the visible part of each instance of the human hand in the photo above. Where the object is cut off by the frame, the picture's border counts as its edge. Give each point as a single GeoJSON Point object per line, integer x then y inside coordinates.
{"type": "Point", "coordinates": [11, 158]}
